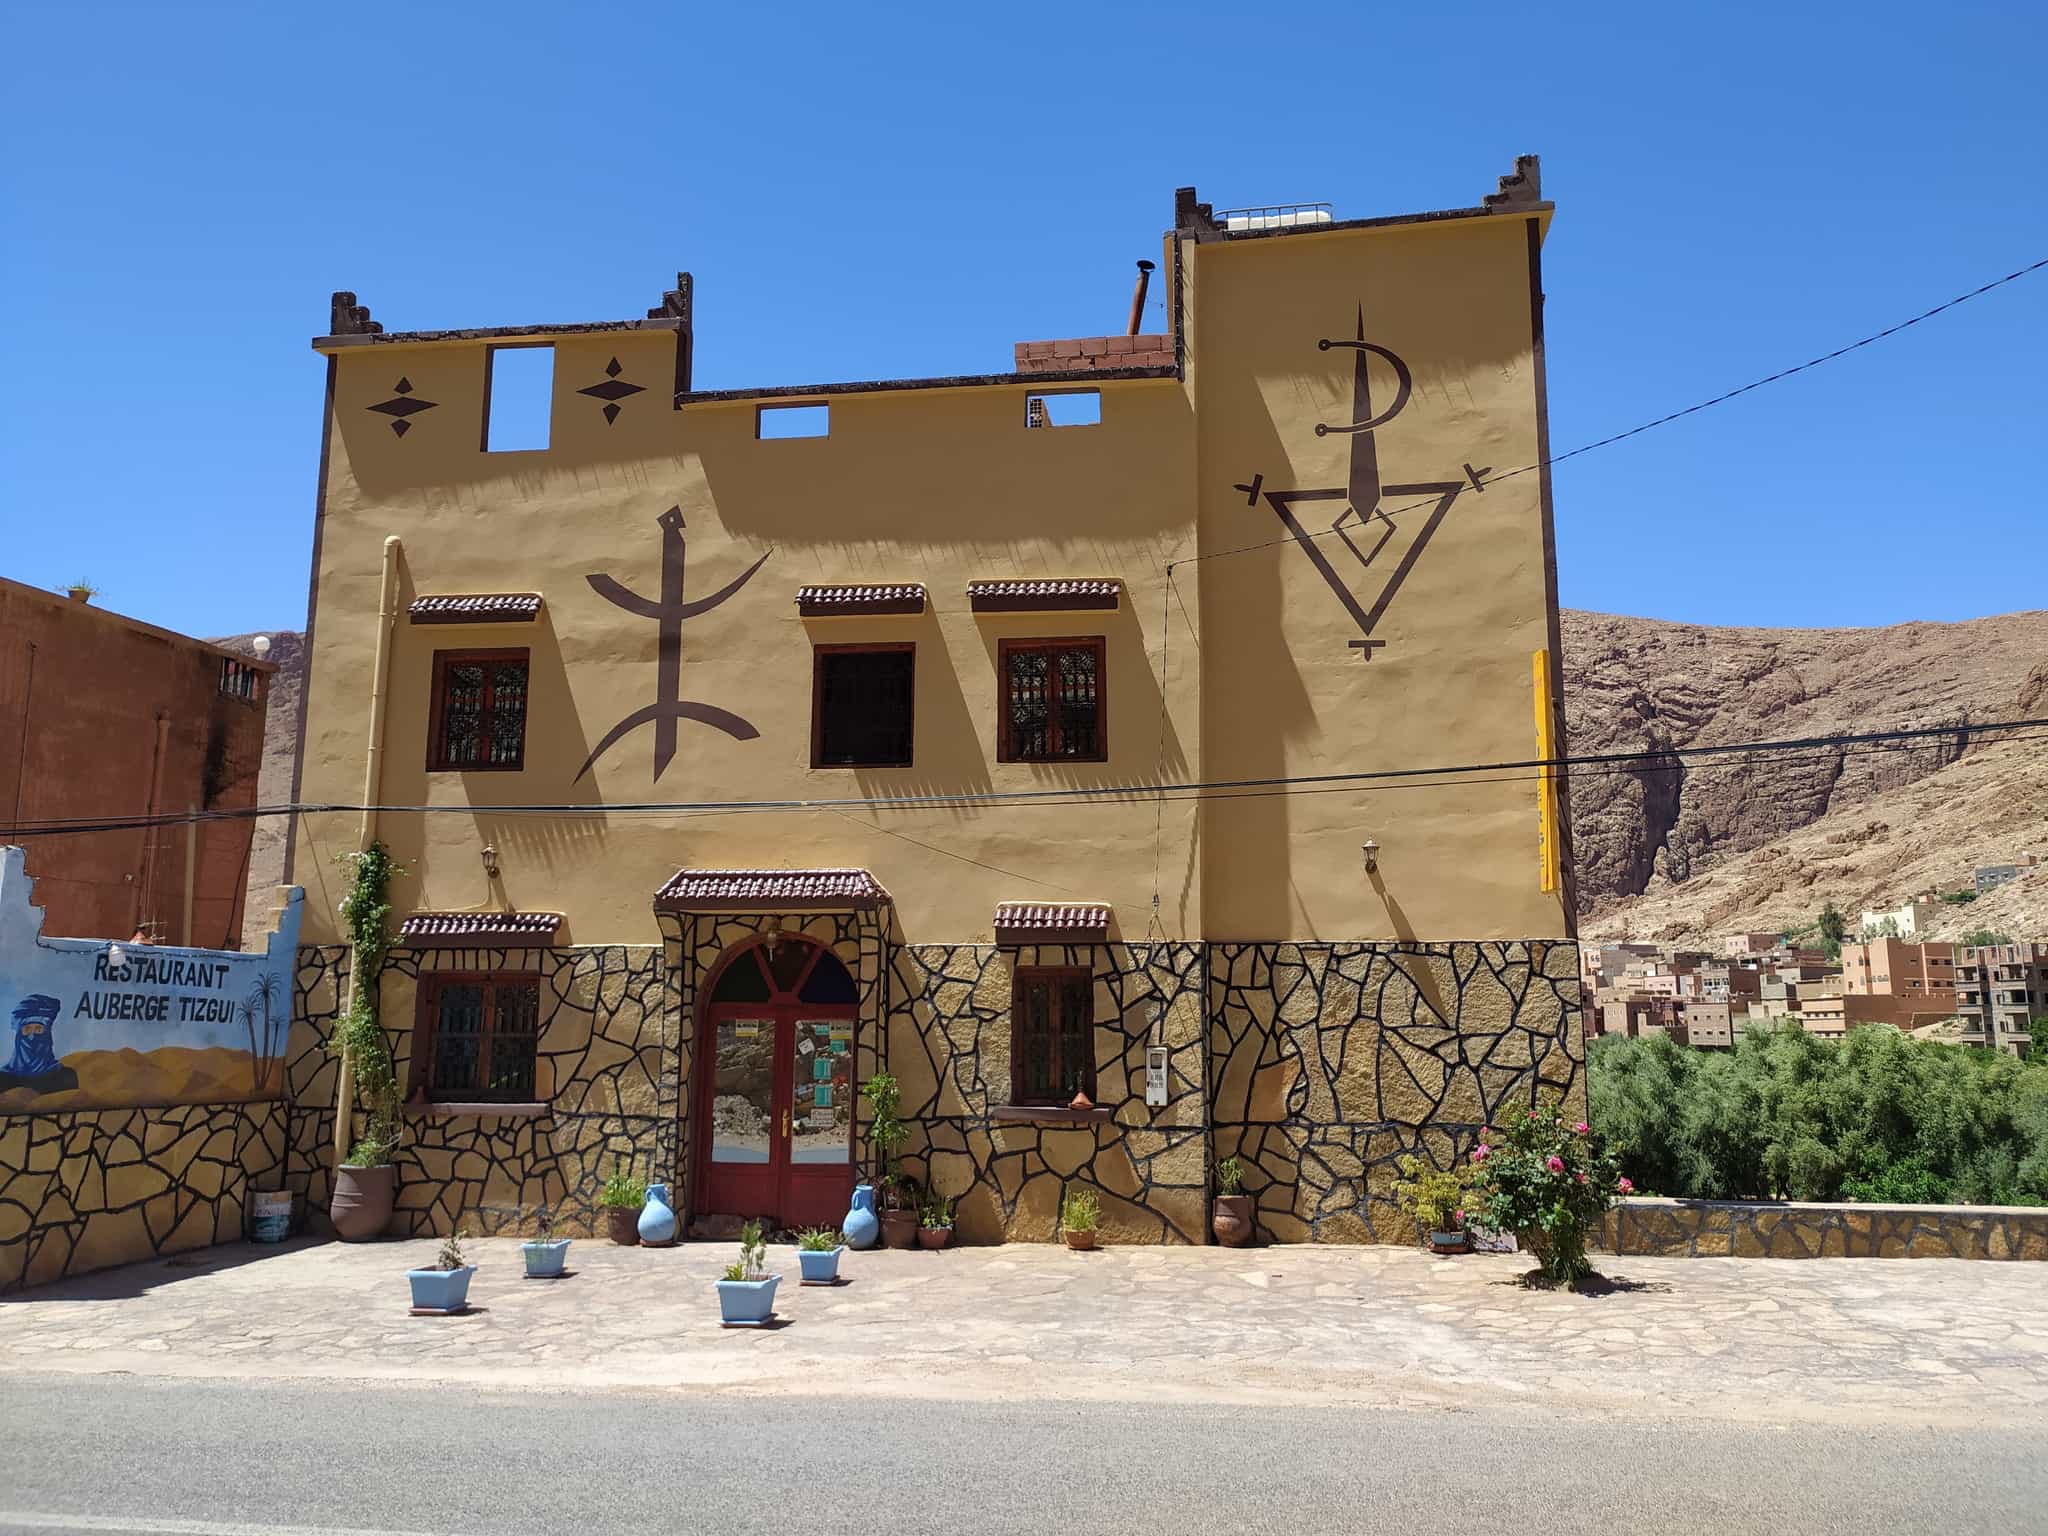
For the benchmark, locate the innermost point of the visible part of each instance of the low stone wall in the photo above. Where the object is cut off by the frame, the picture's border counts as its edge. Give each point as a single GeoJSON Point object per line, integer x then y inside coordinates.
{"type": "Point", "coordinates": [86, 1189]}
{"type": "Point", "coordinates": [1744, 1230]}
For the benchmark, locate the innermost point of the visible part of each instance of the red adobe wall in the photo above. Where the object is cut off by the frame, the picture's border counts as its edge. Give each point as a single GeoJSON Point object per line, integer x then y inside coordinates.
{"type": "Point", "coordinates": [81, 690]}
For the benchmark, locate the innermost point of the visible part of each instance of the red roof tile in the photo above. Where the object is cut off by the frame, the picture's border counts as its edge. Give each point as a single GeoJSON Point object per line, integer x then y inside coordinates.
{"type": "Point", "coordinates": [827, 599]}
{"type": "Point", "coordinates": [1025, 596]}
{"type": "Point", "coordinates": [476, 608]}
{"type": "Point", "coordinates": [506, 930]}
{"type": "Point", "coordinates": [1032, 922]}
{"type": "Point", "coordinates": [698, 890]}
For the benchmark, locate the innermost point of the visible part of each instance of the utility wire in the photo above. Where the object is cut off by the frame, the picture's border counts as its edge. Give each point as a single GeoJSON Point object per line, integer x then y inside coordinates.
{"type": "Point", "coordinates": [1645, 760]}
{"type": "Point", "coordinates": [1665, 420]}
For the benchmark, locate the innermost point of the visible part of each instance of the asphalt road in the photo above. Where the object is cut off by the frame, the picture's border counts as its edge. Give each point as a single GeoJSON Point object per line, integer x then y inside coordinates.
{"type": "Point", "coordinates": [113, 1454]}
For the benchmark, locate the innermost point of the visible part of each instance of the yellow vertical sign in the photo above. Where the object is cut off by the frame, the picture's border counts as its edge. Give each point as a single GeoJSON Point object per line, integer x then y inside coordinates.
{"type": "Point", "coordinates": [1547, 851]}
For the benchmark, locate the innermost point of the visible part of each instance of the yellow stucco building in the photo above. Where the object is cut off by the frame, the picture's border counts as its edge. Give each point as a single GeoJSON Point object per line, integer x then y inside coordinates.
{"type": "Point", "coordinates": [767, 738]}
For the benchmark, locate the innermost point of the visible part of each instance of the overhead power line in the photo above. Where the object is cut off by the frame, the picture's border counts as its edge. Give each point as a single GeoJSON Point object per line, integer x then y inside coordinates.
{"type": "Point", "coordinates": [1664, 420]}
{"type": "Point", "coordinates": [1652, 759]}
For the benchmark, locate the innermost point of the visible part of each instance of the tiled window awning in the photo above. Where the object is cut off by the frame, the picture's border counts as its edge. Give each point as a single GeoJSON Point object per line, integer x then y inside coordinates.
{"type": "Point", "coordinates": [1037, 922]}
{"type": "Point", "coordinates": [766, 890]}
{"type": "Point", "coordinates": [1042, 596]}
{"type": "Point", "coordinates": [476, 608]}
{"type": "Point", "coordinates": [829, 601]}
{"type": "Point", "coordinates": [480, 930]}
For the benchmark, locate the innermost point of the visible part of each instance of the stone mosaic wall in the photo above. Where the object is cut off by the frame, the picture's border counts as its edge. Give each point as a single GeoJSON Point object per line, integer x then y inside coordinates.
{"type": "Point", "coordinates": [1721, 1228]}
{"type": "Point", "coordinates": [949, 1047]}
{"type": "Point", "coordinates": [692, 944]}
{"type": "Point", "coordinates": [1329, 1062]}
{"type": "Point", "coordinates": [604, 1070]}
{"type": "Point", "coordinates": [84, 1189]}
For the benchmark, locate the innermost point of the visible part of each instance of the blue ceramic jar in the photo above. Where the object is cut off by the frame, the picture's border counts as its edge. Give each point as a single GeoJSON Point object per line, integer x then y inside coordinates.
{"type": "Point", "coordinates": [657, 1218]}
{"type": "Point", "coordinates": [862, 1226]}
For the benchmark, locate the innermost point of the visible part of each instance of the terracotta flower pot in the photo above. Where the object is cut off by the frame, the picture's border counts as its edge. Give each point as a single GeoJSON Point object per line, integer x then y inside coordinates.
{"type": "Point", "coordinates": [934, 1237]}
{"type": "Point", "coordinates": [1081, 1241]}
{"type": "Point", "coordinates": [1232, 1221]}
{"type": "Point", "coordinates": [899, 1229]}
{"type": "Point", "coordinates": [363, 1197]}
{"type": "Point", "coordinates": [622, 1225]}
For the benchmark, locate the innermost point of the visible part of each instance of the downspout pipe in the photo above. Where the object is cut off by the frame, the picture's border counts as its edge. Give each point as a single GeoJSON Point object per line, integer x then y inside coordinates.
{"type": "Point", "coordinates": [366, 831]}
{"type": "Point", "coordinates": [152, 834]}
{"type": "Point", "coordinates": [1138, 297]}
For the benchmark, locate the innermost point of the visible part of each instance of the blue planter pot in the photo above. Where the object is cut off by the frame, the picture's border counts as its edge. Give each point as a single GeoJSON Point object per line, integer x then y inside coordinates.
{"type": "Point", "coordinates": [657, 1219]}
{"type": "Point", "coordinates": [747, 1303]}
{"type": "Point", "coordinates": [544, 1261]}
{"type": "Point", "coordinates": [443, 1290]}
{"type": "Point", "coordinates": [862, 1227]}
{"type": "Point", "coordinates": [819, 1268]}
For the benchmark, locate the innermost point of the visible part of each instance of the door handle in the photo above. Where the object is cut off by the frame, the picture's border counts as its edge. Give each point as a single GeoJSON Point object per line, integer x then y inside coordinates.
{"type": "Point", "coordinates": [785, 1123]}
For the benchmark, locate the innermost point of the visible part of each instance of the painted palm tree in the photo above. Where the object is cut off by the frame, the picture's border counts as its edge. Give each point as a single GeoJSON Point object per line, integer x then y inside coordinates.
{"type": "Point", "coordinates": [262, 1015]}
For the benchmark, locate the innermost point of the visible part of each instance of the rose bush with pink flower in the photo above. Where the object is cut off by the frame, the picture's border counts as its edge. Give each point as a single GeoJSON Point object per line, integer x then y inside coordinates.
{"type": "Point", "coordinates": [1549, 1181]}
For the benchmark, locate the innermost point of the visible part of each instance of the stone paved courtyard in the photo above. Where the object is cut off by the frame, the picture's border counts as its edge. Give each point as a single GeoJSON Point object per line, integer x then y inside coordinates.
{"type": "Point", "coordinates": [1924, 1341]}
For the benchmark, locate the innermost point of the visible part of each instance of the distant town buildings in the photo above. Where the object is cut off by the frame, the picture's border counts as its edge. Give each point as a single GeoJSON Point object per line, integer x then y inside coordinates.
{"type": "Point", "coordinates": [1992, 876]}
{"type": "Point", "coordinates": [1911, 921]}
{"type": "Point", "coordinates": [1991, 992]}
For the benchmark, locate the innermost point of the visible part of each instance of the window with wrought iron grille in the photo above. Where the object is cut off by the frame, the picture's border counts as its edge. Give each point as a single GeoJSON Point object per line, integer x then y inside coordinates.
{"type": "Point", "coordinates": [479, 723]}
{"type": "Point", "coordinates": [1052, 1035]}
{"type": "Point", "coordinates": [239, 680]}
{"type": "Point", "coordinates": [862, 705]}
{"type": "Point", "coordinates": [477, 1039]}
{"type": "Point", "coordinates": [1053, 701]}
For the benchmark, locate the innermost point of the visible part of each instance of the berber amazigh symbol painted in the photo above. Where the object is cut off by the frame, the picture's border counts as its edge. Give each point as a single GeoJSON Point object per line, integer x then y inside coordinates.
{"type": "Point", "coordinates": [403, 403]}
{"type": "Point", "coordinates": [611, 391]}
{"type": "Point", "coordinates": [670, 611]}
{"type": "Point", "coordinates": [1364, 495]}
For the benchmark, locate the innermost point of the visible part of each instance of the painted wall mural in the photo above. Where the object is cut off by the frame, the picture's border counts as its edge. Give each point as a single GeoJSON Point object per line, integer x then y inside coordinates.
{"type": "Point", "coordinates": [90, 1024]}
{"type": "Point", "coordinates": [612, 390]}
{"type": "Point", "coordinates": [1365, 531]}
{"type": "Point", "coordinates": [669, 611]}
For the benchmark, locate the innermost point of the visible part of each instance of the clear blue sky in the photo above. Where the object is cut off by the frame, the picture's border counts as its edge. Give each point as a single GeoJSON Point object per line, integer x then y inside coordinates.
{"type": "Point", "coordinates": [874, 191]}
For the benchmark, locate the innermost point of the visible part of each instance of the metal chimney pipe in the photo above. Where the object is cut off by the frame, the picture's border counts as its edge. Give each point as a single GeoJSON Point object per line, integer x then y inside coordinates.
{"type": "Point", "coordinates": [1138, 298]}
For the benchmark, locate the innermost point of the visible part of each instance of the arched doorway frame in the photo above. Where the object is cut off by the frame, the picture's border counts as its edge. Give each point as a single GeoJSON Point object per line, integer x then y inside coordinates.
{"type": "Point", "coordinates": [784, 1191]}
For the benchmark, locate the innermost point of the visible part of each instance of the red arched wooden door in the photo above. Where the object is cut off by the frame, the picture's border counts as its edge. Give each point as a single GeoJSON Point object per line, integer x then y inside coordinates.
{"type": "Point", "coordinates": [774, 1090]}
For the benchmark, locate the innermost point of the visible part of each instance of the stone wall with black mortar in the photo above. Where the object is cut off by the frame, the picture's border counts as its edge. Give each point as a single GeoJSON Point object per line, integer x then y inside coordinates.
{"type": "Point", "coordinates": [1712, 1229]}
{"type": "Point", "coordinates": [1329, 1062]}
{"type": "Point", "coordinates": [86, 1189]}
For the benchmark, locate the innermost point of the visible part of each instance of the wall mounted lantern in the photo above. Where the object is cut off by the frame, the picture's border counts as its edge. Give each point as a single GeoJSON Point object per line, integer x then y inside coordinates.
{"type": "Point", "coordinates": [1371, 850]}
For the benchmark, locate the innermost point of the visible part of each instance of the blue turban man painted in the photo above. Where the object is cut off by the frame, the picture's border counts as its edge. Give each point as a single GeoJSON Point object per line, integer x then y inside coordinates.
{"type": "Point", "coordinates": [34, 1064]}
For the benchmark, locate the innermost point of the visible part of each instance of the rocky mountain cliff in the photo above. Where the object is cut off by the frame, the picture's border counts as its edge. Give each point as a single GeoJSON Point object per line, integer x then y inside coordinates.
{"type": "Point", "coordinates": [1648, 685]}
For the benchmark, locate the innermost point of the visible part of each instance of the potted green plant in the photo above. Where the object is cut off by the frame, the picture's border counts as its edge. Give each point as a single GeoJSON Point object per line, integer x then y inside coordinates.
{"type": "Point", "coordinates": [1435, 1199]}
{"type": "Point", "coordinates": [1079, 1214]}
{"type": "Point", "coordinates": [1231, 1219]}
{"type": "Point", "coordinates": [746, 1294]}
{"type": "Point", "coordinates": [366, 1181]}
{"type": "Point", "coordinates": [817, 1256]}
{"type": "Point", "coordinates": [1548, 1180]}
{"type": "Point", "coordinates": [81, 591]}
{"type": "Point", "coordinates": [445, 1287]}
{"type": "Point", "coordinates": [545, 1253]}
{"type": "Point", "coordinates": [935, 1221]}
{"type": "Point", "coordinates": [622, 1197]}
{"type": "Point", "coordinates": [886, 1134]}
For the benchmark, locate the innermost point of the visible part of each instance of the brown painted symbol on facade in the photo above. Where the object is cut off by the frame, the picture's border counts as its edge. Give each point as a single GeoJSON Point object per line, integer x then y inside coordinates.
{"type": "Point", "coordinates": [403, 403]}
{"type": "Point", "coordinates": [611, 391]}
{"type": "Point", "coordinates": [1367, 526]}
{"type": "Point", "coordinates": [669, 612]}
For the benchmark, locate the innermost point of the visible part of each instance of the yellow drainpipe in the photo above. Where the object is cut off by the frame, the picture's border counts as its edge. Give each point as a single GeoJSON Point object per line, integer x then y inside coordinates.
{"type": "Point", "coordinates": [366, 833]}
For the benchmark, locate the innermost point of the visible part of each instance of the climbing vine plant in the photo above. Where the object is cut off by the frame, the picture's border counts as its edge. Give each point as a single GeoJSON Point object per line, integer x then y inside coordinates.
{"type": "Point", "coordinates": [359, 1036]}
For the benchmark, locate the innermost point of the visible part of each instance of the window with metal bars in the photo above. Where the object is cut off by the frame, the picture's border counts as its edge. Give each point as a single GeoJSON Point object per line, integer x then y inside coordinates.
{"type": "Point", "coordinates": [479, 723]}
{"type": "Point", "coordinates": [1053, 701]}
{"type": "Point", "coordinates": [862, 705]}
{"type": "Point", "coordinates": [1052, 1035]}
{"type": "Point", "coordinates": [477, 1039]}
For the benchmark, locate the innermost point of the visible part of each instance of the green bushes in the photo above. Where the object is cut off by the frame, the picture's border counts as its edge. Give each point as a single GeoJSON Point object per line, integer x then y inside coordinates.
{"type": "Point", "coordinates": [1789, 1116]}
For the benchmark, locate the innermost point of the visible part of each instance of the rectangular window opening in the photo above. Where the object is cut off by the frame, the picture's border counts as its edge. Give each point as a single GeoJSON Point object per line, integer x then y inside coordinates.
{"type": "Point", "coordinates": [478, 1038]}
{"type": "Point", "coordinates": [519, 394]}
{"type": "Point", "coordinates": [479, 721]}
{"type": "Point", "coordinates": [1069, 408]}
{"type": "Point", "coordinates": [780, 421]}
{"type": "Point", "coordinates": [1052, 1035]}
{"type": "Point", "coordinates": [862, 697]}
{"type": "Point", "coordinates": [1052, 701]}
